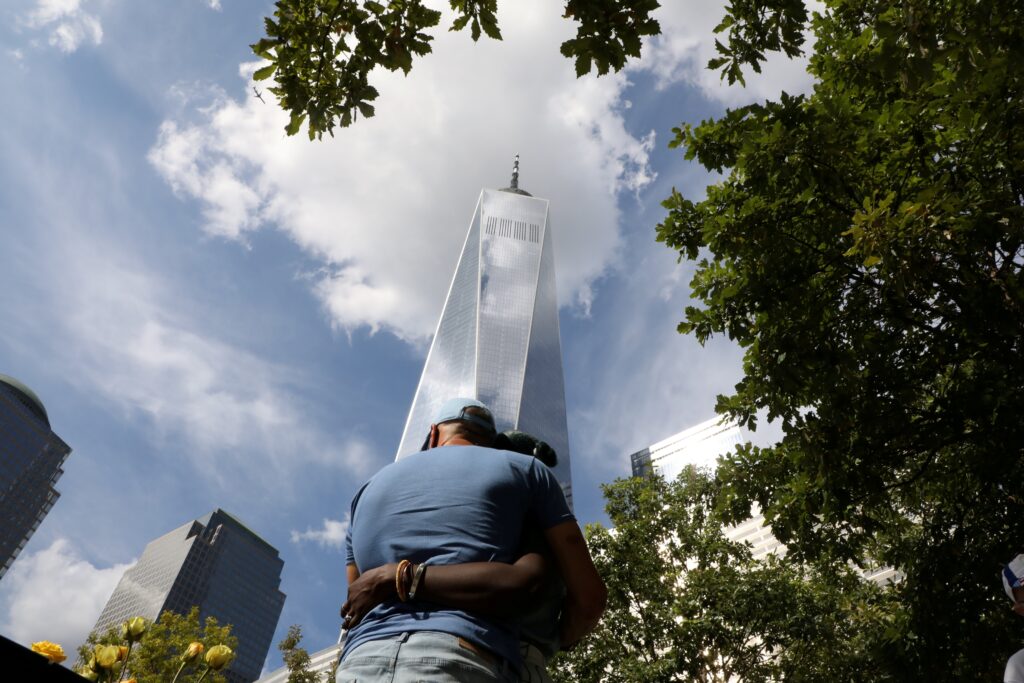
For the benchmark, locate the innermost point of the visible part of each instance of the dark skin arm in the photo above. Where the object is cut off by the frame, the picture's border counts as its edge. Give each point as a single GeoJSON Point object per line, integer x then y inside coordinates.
{"type": "Point", "coordinates": [492, 589]}
{"type": "Point", "coordinates": [586, 593]}
{"type": "Point", "coordinates": [497, 589]}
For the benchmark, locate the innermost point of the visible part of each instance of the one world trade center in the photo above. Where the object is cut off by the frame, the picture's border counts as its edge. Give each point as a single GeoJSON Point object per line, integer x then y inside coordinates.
{"type": "Point", "coordinates": [498, 338]}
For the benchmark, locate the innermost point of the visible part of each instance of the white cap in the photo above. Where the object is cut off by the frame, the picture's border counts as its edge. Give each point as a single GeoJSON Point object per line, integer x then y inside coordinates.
{"type": "Point", "coordinates": [1013, 576]}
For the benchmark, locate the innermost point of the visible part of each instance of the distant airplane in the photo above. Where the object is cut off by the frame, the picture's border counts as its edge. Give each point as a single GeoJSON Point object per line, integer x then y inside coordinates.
{"type": "Point", "coordinates": [259, 95]}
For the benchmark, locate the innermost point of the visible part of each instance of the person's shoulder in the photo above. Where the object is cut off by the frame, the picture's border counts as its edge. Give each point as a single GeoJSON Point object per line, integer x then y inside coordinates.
{"type": "Point", "coordinates": [517, 460]}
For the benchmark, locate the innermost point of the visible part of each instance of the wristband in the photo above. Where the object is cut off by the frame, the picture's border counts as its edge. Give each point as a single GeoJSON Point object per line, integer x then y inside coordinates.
{"type": "Point", "coordinates": [416, 578]}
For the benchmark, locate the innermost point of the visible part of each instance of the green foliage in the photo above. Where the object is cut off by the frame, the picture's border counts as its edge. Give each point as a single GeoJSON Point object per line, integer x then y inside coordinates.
{"type": "Point", "coordinates": [754, 27]}
{"type": "Point", "coordinates": [157, 656]}
{"type": "Point", "coordinates": [321, 52]}
{"type": "Point", "coordinates": [865, 249]}
{"type": "Point", "coordinates": [609, 31]}
{"type": "Point", "coordinates": [687, 604]}
{"type": "Point", "coordinates": [296, 658]}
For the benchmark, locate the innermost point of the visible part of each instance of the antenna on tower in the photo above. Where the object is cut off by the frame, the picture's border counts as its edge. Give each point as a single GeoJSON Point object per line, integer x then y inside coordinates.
{"type": "Point", "coordinates": [514, 187]}
{"type": "Point", "coordinates": [515, 173]}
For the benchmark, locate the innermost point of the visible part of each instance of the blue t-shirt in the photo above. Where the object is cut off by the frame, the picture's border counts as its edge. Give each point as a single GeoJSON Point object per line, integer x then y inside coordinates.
{"type": "Point", "coordinates": [449, 505]}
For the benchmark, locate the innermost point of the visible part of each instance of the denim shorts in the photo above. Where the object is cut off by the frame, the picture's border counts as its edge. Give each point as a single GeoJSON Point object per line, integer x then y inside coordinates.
{"type": "Point", "coordinates": [420, 656]}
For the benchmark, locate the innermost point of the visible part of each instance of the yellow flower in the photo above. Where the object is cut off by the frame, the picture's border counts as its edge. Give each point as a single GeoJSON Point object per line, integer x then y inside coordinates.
{"type": "Point", "coordinates": [122, 652]}
{"type": "Point", "coordinates": [89, 675]}
{"type": "Point", "coordinates": [133, 629]}
{"type": "Point", "coordinates": [107, 656]}
{"type": "Point", "coordinates": [52, 651]}
{"type": "Point", "coordinates": [194, 650]}
{"type": "Point", "coordinates": [218, 656]}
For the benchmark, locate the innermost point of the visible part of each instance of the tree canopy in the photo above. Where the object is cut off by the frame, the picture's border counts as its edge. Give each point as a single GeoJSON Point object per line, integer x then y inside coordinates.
{"type": "Point", "coordinates": [296, 658]}
{"type": "Point", "coordinates": [865, 249]}
{"type": "Point", "coordinates": [687, 604]}
{"type": "Point", "coordinates": [321, 53]}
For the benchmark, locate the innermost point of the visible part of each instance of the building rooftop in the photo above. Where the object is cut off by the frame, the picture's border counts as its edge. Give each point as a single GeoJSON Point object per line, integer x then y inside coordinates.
{"type": "Point", "coordinates": [220, 514]}
{"type": "Point", "coordinates": [26, 397]}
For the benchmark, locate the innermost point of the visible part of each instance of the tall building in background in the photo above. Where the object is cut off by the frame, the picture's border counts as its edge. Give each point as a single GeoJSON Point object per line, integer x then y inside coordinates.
{"type": "Point", "coordinates": [31, 457]}
{"type": "Point", "coordinates": [218, 564]}
{"type": "Point", "coordinates": [498, 339]}
{"type": "Point", "coordinates": [700, 446]}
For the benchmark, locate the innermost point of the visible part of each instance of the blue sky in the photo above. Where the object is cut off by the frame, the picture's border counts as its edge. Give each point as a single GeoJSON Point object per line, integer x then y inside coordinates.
{"type": "Point", "coordinates": [216, 315]}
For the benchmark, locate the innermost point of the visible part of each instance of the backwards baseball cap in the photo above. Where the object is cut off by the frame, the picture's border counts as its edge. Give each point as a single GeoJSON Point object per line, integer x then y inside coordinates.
{"type": "Point", "coordinates": [455, 409]}
{"type": "Point", "coordinates": [1013, 576]}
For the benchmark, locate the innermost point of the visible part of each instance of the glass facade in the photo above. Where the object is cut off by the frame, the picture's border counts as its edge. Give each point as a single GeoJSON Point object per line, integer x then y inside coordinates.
{"type": "Point", "coordinates": [31, 461]}
{"type": "Point", "coordinates": [498, 338]}
{"type": "Point", "coordinates": [214, 562]}
{"type": "Point", "coordinates": [700, 446]}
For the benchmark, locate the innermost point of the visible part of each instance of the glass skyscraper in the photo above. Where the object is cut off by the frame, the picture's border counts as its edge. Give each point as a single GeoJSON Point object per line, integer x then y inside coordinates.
{"type": "Point", "coordinates": [700, 446]}
{"type": "Point", "coordinates": [498, 338]}
{"type": "Point", "coordinates": [219, 565]}
{"type": "Point", "coordinates": [31, 458]}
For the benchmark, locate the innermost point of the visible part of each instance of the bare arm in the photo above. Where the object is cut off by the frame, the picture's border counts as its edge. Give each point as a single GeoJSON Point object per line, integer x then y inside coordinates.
{"type": "Point", "coordinates": [493, 589]}
{"type": "Point", "coordinates": [586, 593]}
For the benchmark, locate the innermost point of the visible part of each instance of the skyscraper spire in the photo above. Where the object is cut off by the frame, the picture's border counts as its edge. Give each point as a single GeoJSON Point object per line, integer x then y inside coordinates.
{"type": "Point", "coordinates": [514, 187]}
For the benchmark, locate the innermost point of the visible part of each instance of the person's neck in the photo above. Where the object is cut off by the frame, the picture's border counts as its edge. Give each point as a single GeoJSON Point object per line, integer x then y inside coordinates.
{"type": "Point", "coordinates": [456, 441]}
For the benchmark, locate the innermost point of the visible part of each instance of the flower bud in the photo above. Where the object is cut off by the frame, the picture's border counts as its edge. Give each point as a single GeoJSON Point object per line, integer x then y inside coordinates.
{"type": "Point", "coordinates": [107, 656]}
{"type": "Point", "coordinates": [122, 653]}
{"type": "Point", "coordinates": [88, 674]}
{"type": "Point", "coordinates": [194, 650]}
{"type": "Point", "coordinates": [52, 651]}
{"type": "Point", "coordinates": [218, 656]}
{"type": "Point", "coordinates": [133, 629]}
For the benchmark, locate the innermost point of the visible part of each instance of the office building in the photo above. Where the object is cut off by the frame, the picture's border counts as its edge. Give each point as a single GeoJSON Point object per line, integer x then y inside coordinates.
{"type": "Point", "coordinates": [498, 339]}
{"type": "Point", "coordinates": [31, 458]}
{"type": "Point", "coordinates": [219, 565]}
{"type": "Point", "coordinates": [700, 446]}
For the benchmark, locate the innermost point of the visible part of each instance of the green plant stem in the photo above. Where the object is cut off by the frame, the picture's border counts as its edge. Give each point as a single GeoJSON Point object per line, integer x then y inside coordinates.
{"type": "Point", "coordinates": [204, 674]}
{"type": "Point", "coordinates": [124, 667]}
{"type": "Point", "coordinates": [175, 679]}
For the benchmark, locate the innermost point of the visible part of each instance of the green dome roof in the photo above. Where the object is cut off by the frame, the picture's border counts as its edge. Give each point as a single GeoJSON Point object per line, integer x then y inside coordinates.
{"type": "Point", "coordinates": [27, 397]}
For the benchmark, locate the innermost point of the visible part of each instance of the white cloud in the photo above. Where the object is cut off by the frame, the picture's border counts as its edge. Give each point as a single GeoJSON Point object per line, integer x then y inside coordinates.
{"type": "Point", "coordinates": [55, 595]}
{"type": "Point", "coordinates": [69, 25]}
{"type": "Point", "coordinates": [384, 205]}
{"type": "Point", "coordinates": [138, 348]}
{"type": "Point", "coordinates": [120, 328]}
{"type": "Point", "coordinates": [331, 535]}
{"type": "Point", "coordinates": [687, 42]}
{"type": "Point", "coordinates": [214, 4]}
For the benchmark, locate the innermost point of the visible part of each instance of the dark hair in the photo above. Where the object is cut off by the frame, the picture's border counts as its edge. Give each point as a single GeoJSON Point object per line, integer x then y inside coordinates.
{"type": "Point", "coordinates": [527, 444]}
